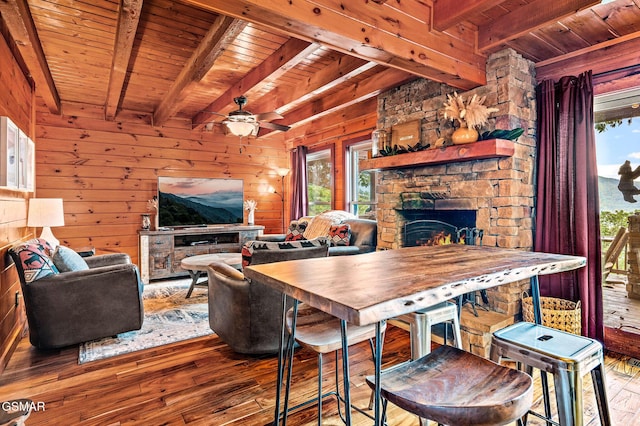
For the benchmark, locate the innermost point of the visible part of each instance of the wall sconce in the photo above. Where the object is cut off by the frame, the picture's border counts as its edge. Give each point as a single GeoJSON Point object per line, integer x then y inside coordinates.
{"type": "Point", "coordinates": [46, 212]}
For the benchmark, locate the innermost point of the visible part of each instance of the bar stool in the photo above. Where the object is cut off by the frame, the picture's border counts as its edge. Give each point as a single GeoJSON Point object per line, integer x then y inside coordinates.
{"type": "Point", "coordinates": [420, 323]}
{"type": "Point", "coordinates": [320, 332]}
{"type": "Point", "coordinates": [567, 356]}
{"type": "Point", "coordinates": [454, 387]}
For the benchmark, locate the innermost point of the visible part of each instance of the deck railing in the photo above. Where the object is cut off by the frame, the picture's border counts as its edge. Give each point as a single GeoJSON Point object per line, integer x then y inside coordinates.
{"type": "Point", "coordinates": [620, 265]}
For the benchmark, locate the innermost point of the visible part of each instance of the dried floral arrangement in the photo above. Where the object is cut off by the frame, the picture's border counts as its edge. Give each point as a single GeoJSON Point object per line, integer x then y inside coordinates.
{"type": "Point", "coordinates": [471, 113]}
{"type": "Point", "coordinates": [152, 204]}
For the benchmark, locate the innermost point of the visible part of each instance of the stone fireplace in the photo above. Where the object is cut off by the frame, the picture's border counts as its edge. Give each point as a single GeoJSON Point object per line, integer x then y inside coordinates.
{"type": "Point", "coordinates": [499, 191]}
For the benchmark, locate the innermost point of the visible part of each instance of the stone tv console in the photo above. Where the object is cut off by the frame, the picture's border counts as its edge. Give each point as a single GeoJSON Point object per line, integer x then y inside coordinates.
{"type": "Point", "coordinates": [161, 251]}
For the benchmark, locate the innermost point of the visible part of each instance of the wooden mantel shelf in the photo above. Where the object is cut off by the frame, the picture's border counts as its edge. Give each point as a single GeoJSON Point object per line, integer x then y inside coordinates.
{"type": "Point", "coordinates": [492, 148]}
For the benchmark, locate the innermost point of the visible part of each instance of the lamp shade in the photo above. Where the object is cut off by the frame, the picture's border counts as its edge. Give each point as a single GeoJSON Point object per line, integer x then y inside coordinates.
{"type": "Point", "coordinates": [282, 172]}
{"type": "Point", "coordinates": [45, 212]}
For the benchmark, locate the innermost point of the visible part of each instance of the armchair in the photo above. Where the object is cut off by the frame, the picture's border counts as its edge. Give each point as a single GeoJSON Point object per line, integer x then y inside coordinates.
{"type": "Point", "coordinates": [245, 314]}
{"type": "Point", "coordinates": [65, 308]}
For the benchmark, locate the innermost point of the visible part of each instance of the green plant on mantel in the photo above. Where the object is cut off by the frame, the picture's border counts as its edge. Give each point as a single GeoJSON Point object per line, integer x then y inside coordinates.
{"type": "Point", "coordinates": [510, 135]}
{"type": "Point", "coordinates": [395, 149]}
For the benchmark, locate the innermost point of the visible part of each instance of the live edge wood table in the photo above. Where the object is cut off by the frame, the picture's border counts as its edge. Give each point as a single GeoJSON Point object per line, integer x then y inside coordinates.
{"type": "Point", "coordinates": [371, 288]}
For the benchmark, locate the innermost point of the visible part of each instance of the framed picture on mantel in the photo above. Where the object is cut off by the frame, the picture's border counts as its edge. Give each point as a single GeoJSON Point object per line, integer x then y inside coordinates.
{"type": "Point", "coordinates": [9, 146]}
{"type": "Point", "coordinates": [406, 133]}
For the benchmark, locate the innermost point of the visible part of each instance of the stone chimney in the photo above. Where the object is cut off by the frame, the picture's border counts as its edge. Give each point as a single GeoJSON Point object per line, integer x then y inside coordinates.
{"type": "Point", "coordinates": [500, 190]}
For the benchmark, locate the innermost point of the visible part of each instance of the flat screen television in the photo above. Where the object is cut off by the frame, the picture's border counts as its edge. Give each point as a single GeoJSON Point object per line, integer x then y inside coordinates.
{"type": "Point", "coordinates": [190, 202]}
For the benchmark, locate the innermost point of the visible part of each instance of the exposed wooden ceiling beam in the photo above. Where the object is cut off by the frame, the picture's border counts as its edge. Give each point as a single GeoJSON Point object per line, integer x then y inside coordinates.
{"type": "Point", "coordinates": [365, 89]}
{"type": "Point", "coordinates": [527, 18]}
{"type": "Point", "coordinates": [282, 60]}
{"type": "Point", "coordinates": [335, 125]}
{"type": "Point", "coordinates": [282, 99]}
{"type": "Point", "coordinates": [606, 56]}
{"type": "Point", "coordinates": [447, 13]}
{"type": "Point", "coordinates": [128, 19]}
{"type": "Point", "coordinates": [223, 31]}
{"type": "Point", "coordinates": [17, 17]}
{"type": "Point", "coordinates": [378, 33]}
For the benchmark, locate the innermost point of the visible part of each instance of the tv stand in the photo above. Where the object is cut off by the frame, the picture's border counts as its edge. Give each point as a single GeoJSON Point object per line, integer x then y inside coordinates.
{"type": "Point", "coordinates": [162, 251]}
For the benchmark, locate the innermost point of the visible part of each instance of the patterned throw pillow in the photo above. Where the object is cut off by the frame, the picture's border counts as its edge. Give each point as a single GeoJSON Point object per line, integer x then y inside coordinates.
{"type": "Point", "coordinates": [296, 229]}
{"type": "Point", "coordinates": [340, 235]}
{"type": "Point", "coordinates": [33, 259]}
{"type": "Point", "coordinates": [252, 246]}
{"type": "Point", "coordinates": [320, 224]}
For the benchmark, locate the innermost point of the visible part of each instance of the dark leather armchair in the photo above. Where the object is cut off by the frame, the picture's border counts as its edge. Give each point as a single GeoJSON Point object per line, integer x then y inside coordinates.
{"type": "Point", "coordinates": [247, 315]}
{"type": "Point", "coordinates": [72, 307]}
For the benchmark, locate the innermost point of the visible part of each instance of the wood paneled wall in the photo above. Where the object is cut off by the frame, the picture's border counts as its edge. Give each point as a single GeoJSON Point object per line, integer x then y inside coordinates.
{"type": "Point", "coordinates": [16, 103]}
{"type": "Point", "coordinates": [106, 171]}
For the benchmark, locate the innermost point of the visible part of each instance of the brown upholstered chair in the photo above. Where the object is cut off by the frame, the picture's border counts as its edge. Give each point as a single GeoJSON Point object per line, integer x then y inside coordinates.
{"type": "Point", "coordinates": [247, 315]}
{"type": "Point", "coordinates": [66, 308]}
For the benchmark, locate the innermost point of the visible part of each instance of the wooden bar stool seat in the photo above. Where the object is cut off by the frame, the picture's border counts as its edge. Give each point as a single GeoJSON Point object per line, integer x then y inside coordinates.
{"type": "Point", "coordinates": [321, 332]}
{"type": "Point", "coordinates": [567, 356]}
{"type": "Point", "coordinates": [454, 387]}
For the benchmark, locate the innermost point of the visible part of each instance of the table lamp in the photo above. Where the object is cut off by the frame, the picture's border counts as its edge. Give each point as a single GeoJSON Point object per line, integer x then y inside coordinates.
{"type": "Point", "coordinates": [46, 212]}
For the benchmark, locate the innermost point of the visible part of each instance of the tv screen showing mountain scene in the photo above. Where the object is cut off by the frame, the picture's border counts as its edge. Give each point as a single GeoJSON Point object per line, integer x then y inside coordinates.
{"type": "Point", "coordinates": [184, 202]}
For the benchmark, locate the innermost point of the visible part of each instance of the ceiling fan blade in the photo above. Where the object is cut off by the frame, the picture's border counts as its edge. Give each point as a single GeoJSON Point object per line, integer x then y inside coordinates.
{"type": "Point", "coordinates": [274, 126]}
{"type": "Point", "coordinates": [268, 116]}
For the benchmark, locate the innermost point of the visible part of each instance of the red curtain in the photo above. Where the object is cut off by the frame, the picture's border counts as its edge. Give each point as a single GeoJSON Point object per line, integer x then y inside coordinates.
{"type": "Point", "coordinates": [299, 200]}
{"type": "Point", "coordinates": [567, 210]}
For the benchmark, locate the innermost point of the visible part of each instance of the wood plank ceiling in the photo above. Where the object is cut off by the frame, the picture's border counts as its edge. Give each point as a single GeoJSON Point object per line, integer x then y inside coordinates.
{"type": "Point", "coordinates": [305, 59]}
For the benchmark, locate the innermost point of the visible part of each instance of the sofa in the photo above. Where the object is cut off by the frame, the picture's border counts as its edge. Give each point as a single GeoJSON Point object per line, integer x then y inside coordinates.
{"type": "Point", "coordinates": [348, 234]}
{"type": "Point", "coordinates": [245, 314]}
{"type": "Point", "coordinates": [69, 299]}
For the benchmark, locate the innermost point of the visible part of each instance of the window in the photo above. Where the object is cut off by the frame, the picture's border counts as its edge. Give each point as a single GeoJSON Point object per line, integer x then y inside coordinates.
{"type": "Point", "coordinates": [320, 181]}
{"type": "Point", "coordinates": [361, 188]}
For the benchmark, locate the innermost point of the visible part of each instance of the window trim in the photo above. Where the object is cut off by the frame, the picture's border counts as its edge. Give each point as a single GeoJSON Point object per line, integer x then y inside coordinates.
{"type": "Point", "coordinates": [348, 144]}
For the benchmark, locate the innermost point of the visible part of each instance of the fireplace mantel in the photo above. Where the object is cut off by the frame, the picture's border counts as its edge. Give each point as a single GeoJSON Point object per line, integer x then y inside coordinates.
{"type": "Point", "coordinates": [492, 148]}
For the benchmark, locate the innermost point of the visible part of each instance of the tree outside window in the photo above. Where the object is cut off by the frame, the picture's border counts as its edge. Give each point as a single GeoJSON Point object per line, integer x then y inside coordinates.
{"type": "Point", "coordinates": [320, 181]}
{"type": "Point", "coordinates": [361, 189]}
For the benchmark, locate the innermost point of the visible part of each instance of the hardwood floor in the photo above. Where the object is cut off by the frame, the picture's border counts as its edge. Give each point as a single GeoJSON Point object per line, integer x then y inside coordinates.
{"type": "Point", "coordinates": [202, 382]}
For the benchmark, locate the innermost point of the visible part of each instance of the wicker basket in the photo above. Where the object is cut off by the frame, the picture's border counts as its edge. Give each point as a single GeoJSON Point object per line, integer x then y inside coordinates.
{"type": "Point", "coordinates": [560, 314]}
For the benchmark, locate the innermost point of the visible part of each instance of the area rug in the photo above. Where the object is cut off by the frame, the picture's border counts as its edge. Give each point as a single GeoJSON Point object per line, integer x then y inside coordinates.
{"type": "Point", "coordinates": [168, 317]}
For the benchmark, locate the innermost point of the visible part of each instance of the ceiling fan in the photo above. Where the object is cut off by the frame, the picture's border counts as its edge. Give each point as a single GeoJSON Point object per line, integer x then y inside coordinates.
{"type": "Point", "coordinates": [243, 123]}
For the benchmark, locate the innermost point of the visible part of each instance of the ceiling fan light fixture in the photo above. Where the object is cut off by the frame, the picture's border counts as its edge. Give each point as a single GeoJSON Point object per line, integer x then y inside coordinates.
{"type": "Point", "coordinates": [241, 128]}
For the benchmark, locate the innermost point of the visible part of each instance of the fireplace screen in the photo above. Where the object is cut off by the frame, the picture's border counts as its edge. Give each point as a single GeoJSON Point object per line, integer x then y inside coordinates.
{"type": "Point", "coordinates": [435, 232]}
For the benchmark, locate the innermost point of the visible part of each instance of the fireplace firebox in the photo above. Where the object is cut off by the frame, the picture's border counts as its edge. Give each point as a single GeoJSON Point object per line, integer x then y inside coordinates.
{"type": "Point", "coordinates": [430, 232]}
{"type": "Point", "coordinates": [435, 232]}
